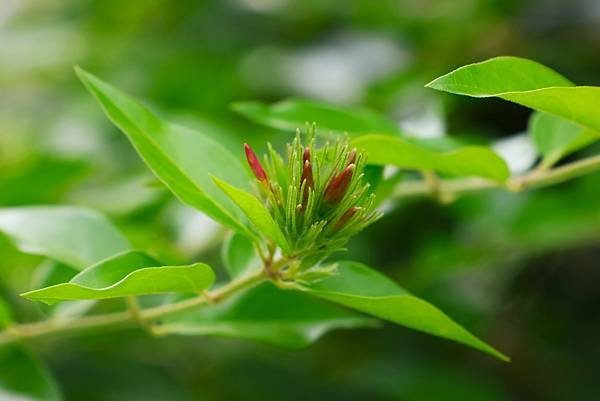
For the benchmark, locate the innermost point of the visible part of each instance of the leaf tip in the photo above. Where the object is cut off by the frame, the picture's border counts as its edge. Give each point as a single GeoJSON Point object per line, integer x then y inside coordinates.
{"type": "Point", "coordinates": [435, 84]}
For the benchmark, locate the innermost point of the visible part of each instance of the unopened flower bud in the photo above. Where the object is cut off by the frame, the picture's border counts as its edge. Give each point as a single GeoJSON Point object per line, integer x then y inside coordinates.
{"type": "Point", "coordinates": [346, 216]}
{"type": "Point", "coordinates": [306, 155]}
{"type": "Point", "coordinates": [255, 165]}
{"type": "Point", "coordinates": [338, 186]}
{"type": "Point", "coordinates": [352, 157]}
{"type": "Point", "coordinates": [307, 177]}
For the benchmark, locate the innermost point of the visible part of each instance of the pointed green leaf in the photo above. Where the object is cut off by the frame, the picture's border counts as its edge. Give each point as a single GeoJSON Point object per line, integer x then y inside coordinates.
{"type": "Point", "coordinates": [51, 272]}
{"type": "Point", "coordinates": [527, 83]}
{"type": "Point", "coordinates": [362, 288]}
{"type": "Point", "coordinates": [180, 157]}
{"type": "Point", "coordinates": [23, 378]}
{"type": "Point", "coordinates": [555, 137]}
{"type": "Point", "coordinates": [128, 274]}
{"type": "Point", "coordinates": [256, 212]}
{"type": "Point", "coordinates": [468, 161]}
{"type": "Point", "coordinates": [238, 255]}
{"type": "Point", "coordinates": [266, 314]}
{"type": "Point", "coordinates": [292, 114]}
{"type": "Point", "coordinates": [75, 236]}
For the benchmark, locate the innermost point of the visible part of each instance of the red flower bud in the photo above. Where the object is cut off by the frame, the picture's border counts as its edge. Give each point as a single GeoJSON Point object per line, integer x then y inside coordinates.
{"type": "Point", "coordinates": [307, 176]}
{"type": "Point", "coordinates": [338, 185]}
{"type": "Point", "coordinates": [306, 155]}
{"type": "Point", "coordinates": [352, 157]}
{"type": "Point", "coordinates": [255, 165]}
{"type": "Point", "coordinates": [346, 216]}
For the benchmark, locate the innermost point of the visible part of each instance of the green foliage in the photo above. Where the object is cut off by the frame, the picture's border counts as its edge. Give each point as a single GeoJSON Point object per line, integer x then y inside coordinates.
{"type": "Point", "coordinates": [527, 83]}
{"type": "Point", "coordinates": [239, 255]}
{"type": "Point", "coordinates": [180, 157]}
{"type": "Point", "coordinates": [555, 137]}
{"type": "Point", "coordinates": [306, 204]}
{"type": "Point", "coordinates": [74, 236]}
{"type": "Point", "coordinates": [359, 287]}
{"type": "Point", "coordinates": [39, 181]}
{"type": "Point", "coordinates": [291, 114]}
{"type": "Point", "coordinates": [6, 316]}
{"type": "Point", "coordinates": [468, 161]}
{"type": "Point", "coordinates": [22, 377]}
{"type": "Point", "coordinates": [256, 213]}
{"type": "Point", "coordinates": [267, 314]}
{"type": "Point", "coordinates": [128, 274]}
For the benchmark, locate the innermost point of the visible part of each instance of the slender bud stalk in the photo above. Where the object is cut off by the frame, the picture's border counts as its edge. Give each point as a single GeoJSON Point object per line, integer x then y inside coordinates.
{"type": "Point", "coordinates": [338, 186]}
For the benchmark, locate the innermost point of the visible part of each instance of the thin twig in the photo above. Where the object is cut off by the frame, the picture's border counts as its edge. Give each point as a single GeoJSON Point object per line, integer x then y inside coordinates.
{"type": "Point", "coordinates": [534, 179]}
{"type": "Point", "coordinates": [18, 332]}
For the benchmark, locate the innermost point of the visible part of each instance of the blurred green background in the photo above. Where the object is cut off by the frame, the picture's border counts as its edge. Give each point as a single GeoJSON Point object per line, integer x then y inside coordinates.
{"type": "Point", "coordinates": [521, 270]}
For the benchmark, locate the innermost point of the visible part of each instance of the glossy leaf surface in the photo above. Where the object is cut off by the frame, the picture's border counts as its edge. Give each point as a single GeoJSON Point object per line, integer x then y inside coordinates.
{"type": "Point", "coordinates": [468, 161]}
{"type": "Point", "coordinates": [267, 314]}
{"type": "Point", "coordinates": [359, 287]}
{"type": "Point", "coordinates": [128, 274]}
{"type": "Point", "coordinates": [75, 236]}
{"type": "Point", "coordinates": [527, 83]}
{"type": "Point", "coordinates": [180, 157]}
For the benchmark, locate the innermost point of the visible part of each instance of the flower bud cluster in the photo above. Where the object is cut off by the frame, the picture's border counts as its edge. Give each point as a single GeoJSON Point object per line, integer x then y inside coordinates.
{"type": "Point", "coordinates": [317, 195]}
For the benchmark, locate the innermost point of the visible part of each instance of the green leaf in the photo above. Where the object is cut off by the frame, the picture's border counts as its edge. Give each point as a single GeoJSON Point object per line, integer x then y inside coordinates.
{"type": "Point", "coordinates": [555, 137]}
{"type": "Point", "coordinates": [468, 161]}
{"type": "Point", "coordinates": [362, 288]}
{"type": "Point", "coordinates": [291, 114]}
{"type": "Point", "coordinates": [238, 255]}
{"type": "Point", "coordinates": [180, 157]}
{"type": "Point", "coordinates": [256, 212]}
{"type": "Point", "coordinates": [42, 181]}
{"type": "Point", "coordinates": [75, 236]}
{"type": "Point", "coordinates": [128, 274]}
{"type": "Point", "coordinates": [23, 378]}
{"type": "Point", "coordinates": [51, 272]}
{"type": "Point", "coordinates": [266, 314]}
{"type": "Point", "coordinates": [6, 316]}
{"type": "Point", "coordinates": [527, 83]}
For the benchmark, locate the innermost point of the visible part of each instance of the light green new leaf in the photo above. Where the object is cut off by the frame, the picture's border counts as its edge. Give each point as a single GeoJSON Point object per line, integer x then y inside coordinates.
{"type": "Point", "coordinates": [75, 236]}
{"type": "Point", "coordinates": [292, 114]}
{"type": "Point", "coordinates": [23, 378]}
{"type": "Point", "coordinates": [180, 157]}
{"type": "Point", "coordinates": [527, 83]}
{"type": "Point", "coordinates": [266, 314]}
{"type": "Point", "coordinates": [256, 212]}
{"type": "Point", "coordinates": [362, 288]}
{"type": "Point", "coordinates": [238, 255]}
{"type": "Point", "coordinates": [468, 161]}
{"type": "Point", "coordinates": [555, 137]}
{"type": "Point", "coordinates": [128, 274]}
